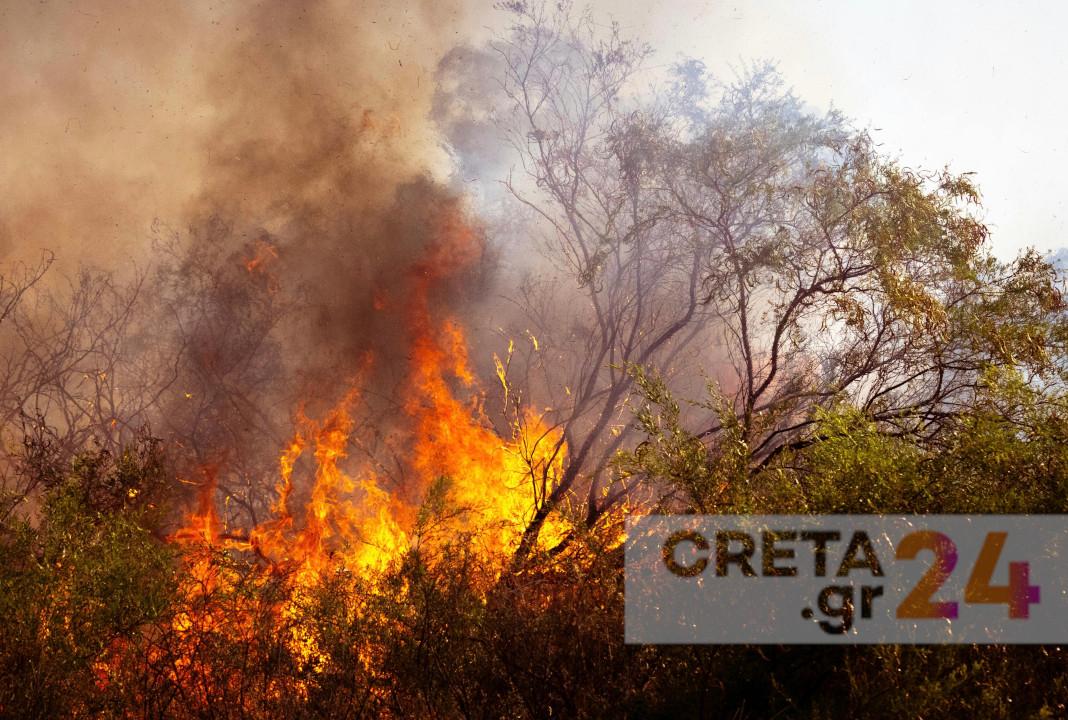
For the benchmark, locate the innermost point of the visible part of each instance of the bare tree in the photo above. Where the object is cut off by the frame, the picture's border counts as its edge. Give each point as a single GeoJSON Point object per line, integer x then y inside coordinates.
{"type": "Point", "coordinates": [729, 225]}
{"type": "Point", "coordinates": [840, 275]}
{"type": "Point", "coordinates": [18, 280]}
{"type": "Point", "coordinates": [90, 362]}
{"type": "Point", "coordinates": [623, 284]}
{"type": "Point", "coordinates": [68, 377]}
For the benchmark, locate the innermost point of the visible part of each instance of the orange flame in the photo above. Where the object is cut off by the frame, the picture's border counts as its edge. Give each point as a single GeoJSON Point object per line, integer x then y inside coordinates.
{"type": "Point", "coordinates": [466, 482]}
{"type": "Point", "coordinates": [265, 254]}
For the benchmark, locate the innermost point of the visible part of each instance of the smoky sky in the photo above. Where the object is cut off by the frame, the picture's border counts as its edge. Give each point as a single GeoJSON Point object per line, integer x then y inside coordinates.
{"type": "Point", "coordinates": [113, 114]}
{"type": "Point", "coordinates": [304, 125]}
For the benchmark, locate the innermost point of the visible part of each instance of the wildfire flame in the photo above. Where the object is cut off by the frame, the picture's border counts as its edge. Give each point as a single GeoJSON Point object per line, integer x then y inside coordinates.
{"type": "Point", "coordinates": [487, 486]}
{"type": "Point", "coordinates": [265, 253]}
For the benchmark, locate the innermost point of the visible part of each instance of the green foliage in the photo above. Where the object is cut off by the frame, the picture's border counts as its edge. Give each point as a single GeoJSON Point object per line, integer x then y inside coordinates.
{"type": "Point", "coordinates": [93, 622]}
{"type": "Point", "coordinates": [1005, 453]}
{"type": "Point", "coordinates": [78, 582]}
{"type": "Point", "coordinates": [702, 476]}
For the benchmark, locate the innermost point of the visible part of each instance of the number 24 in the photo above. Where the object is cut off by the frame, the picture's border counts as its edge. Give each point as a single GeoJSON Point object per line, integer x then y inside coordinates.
{"type": "Point", "coordinates": [1018, 594]}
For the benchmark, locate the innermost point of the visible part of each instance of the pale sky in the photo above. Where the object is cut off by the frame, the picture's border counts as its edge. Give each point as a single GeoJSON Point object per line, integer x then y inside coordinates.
{"type": "Point", "coordinates": [979, 86]}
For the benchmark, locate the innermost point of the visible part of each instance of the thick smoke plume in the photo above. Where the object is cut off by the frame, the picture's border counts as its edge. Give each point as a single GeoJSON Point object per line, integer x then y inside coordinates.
{"type": "Point", "coordinates": [276, 163]}
{"type": "Point", "coordinates": [321, 141]}
{"type": "Point", "coordinates": [118, 113]}
{"type": "Point", "coordinates": [301, 124]}
{"type": "Point", "coordinates": [307, 122]}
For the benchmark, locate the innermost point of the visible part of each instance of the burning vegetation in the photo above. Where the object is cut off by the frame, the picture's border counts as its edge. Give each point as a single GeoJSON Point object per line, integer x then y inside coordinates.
{"type": "Point", "coordinates": [461, 478]}
{"type": "Point", "coordinates": [358, 438]}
